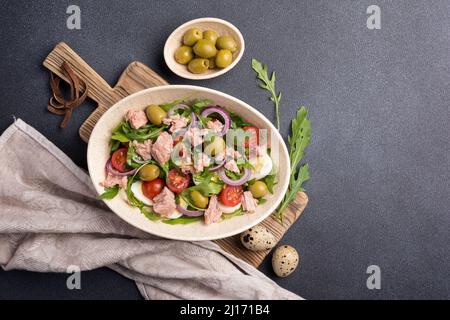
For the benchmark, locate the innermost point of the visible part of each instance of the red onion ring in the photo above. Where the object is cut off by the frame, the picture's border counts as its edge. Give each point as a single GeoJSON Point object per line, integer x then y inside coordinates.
{"type": "Point", "coordinates": [235, 183]}
{"type": "Point", "coordinates": [189, 213]}
{"type": "Point", "coordinates": [177, 107]}
{"type": "Point", "coordinates": [193, 120]}
{"type": "Point", "coordinates": [225, 116]}
{"type": "Point", "coordinates": [217, 167]}
{"type": "Point", "coordinates": [109, 168]}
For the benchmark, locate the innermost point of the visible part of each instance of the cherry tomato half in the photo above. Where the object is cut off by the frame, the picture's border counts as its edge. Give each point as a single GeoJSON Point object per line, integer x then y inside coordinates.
{"type": "Point", "coordinates": [231, 196]}
{"type": "Point", "coordinates": [151, 189]}
{"type": "Point", "coordinates": [119, 158]}
{"type": "Point", "coordinates": [177, 181]}
{"type": "Point", "coordinates": [254, 139]}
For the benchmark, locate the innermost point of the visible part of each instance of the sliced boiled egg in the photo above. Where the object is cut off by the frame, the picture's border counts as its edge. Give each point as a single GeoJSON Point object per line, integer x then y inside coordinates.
{"type": "Point", "coordinates": [136, 188]}
{"type": "Point", "coordinates": [262, 166]}
{"type": "Point", "coordinates": [176, 214]}
{"type": "Point", "coordinates": [227, 209]}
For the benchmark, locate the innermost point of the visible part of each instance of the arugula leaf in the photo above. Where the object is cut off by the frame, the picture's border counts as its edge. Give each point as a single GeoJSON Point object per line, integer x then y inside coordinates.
{"type": "Point", "coordinates": [298, 141]}
{"type": "Point", "coordinates": [268, 83]}
{"type": "Point", "coordinates": [165, 167]}
{"type": "Point", "coordinates": [167, 106]}
{"type": "Point", "coordinates": [114, 145]}
{"type": "Point", "coordinates": [238, 212]}
{"type": "Point", "coordinates": [199, 104]}
{"type": "Point", "coordinates": [237, 121]}
{"type": "Point", "coordinates": [125, 133]}
{"type": "Point", "coordinates": [204, 176]}
{"type": "Point", "coordinates": [110, 193]}
{"type": "Point", "coordinates": [262, 201]}
{"type": "Point", "coordinates": [182, 220]}
{"type": "Point", "coordinates": [150, 214]}
{"type": "Point", "coordinates": [131, 153]}
{"type": "Point", "coordinates": [270, 181]}
{"type": "Point", "coordinates": [121, 137]}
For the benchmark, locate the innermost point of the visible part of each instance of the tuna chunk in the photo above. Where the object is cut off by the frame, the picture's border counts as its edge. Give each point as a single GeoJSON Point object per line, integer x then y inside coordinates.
{"type": "Point", "coordinates": [213, 213]}
{"type": "Point", "coordinates": [195, 135]}
{"type": "Point", "coordinates": [164, 203]}
{"type": "Point", "coordinates": [136, 118]}
{"type": "Point", "coordinates": [201, 161]}
{"type": "Point", "coordinates": [143, 149]}
{"type": "Point", "coordinates": [186, 169]}
{"type": "Point", "coordinates": [113, 180]}
{"type": "Point", "coordinates": [215, 125]}
{"type": "Point", "coordinates": [249, 203]}
{"type": "Point", "coordinates": [176, 122]}
{"type": "Point", "coordinates": [232, 166]}
{"type": "Point", "coordinates": [162, 148]}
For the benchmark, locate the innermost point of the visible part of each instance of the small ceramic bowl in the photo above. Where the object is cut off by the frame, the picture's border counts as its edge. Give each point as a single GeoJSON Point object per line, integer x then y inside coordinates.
{"type": "Point", "coordinates": [222, 27]}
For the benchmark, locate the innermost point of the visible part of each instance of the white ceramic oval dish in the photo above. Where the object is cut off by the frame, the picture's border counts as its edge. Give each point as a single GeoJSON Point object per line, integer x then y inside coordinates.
{"type": "Point", "coordinates": [98, 154]}
{"type": "Point", "coordinates": [222, 27]}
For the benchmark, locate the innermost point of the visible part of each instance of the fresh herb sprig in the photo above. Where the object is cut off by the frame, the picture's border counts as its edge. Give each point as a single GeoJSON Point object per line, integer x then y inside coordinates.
{"type": "Point", "coordinates": [268, 83]}
{"type": "Point", "coordinates": [298, 141]}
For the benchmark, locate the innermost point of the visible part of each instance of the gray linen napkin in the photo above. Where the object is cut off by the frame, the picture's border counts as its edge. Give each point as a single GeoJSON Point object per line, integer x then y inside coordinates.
{"type": "Point", "coordinates": [50, 218]}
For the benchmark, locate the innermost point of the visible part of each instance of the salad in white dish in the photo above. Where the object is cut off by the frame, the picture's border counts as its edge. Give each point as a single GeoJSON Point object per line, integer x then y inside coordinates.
{"type": "Point", "coordinates": [188, 161]}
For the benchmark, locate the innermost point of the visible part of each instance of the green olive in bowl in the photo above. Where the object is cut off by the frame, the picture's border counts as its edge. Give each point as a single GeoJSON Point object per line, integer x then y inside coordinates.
{"type": "Point", "coordinates": [205, 49]}
{"type": "Point", "coordinates": [198, 65]}
{"type": "Point", "coordinates": [192, 36]}
{"type": "Point", "coordinates": [226, 42]}
{"type": "Point", "coordinates": [210, 35]}
{"type": "Point", "coordinates": [184, 54]}
{"type": "Point", "coordinates": [223, 58]}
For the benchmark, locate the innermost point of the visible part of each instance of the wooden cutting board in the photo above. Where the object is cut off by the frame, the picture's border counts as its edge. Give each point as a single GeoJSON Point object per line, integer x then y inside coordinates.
{"type": "Point", "coordinates": [136, 77]}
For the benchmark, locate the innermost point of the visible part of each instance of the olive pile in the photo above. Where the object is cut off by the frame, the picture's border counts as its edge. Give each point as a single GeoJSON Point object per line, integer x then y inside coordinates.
{"type": "Point", "coordinates": [205, 50]}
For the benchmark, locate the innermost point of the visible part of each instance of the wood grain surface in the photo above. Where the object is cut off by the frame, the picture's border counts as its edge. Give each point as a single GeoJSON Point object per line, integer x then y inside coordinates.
{"type": "Point", "coordinates": [134, 78]}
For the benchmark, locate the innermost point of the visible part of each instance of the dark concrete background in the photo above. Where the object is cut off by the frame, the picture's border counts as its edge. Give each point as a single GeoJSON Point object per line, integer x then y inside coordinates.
{"type": "Point", "coordinates": [379, 108]}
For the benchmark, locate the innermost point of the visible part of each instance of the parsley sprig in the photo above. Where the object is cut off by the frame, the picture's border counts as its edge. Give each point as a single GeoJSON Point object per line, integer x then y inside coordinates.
{"type": "Point", "coordinates": [268, 83]}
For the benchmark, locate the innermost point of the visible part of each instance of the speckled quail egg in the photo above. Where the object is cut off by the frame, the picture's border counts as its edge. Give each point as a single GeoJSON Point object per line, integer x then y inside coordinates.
{"type": "Point", "coordinates": [258, 238]}
{"type": "Point", "coordinates": [284, 260]}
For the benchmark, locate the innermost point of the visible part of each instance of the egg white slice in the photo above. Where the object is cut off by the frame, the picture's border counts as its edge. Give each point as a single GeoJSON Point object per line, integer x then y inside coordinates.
{"type": "Point", "coordinates": [227, 209]}
{"type": "Point", "coordinates": [136, 188]}
{"type": "Point", "coordinates": [177, 214]}
{"type": "Point", "coordinates": [262, 166]}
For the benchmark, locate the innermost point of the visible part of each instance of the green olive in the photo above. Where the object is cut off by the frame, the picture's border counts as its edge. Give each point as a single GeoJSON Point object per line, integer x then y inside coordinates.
{"type": "Point", "coordinates": [216, 146]}
{"type": "Point", "coordinates": [184, 54]}
{"type": "Point", "coordinates": [199, 200]}
{"type": "Point", "coordinates": [212, 63]}
{"type": "Point", "coordinates": [149, 172]}
{"type": "Point", "coordinates": [205, 49]}
{"type": "Point", "coordinates": [258, 189]}
{"type": "Point", "coordinates": [226, 42]}
{"type": "Point", "coordinates": [224, 58]}
{"type": "Point", "coordinates": [210, 35]}
{"type": "Point", "coordinates": [155, 114]}
{"type": "Point", "coordinates": [192, 36]}
{"type": "Point", "coordinates": [198, 65]}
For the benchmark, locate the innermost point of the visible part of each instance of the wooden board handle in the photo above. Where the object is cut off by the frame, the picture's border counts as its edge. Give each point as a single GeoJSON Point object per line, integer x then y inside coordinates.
{"type": "Point", "coordinates": [99, 89]}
